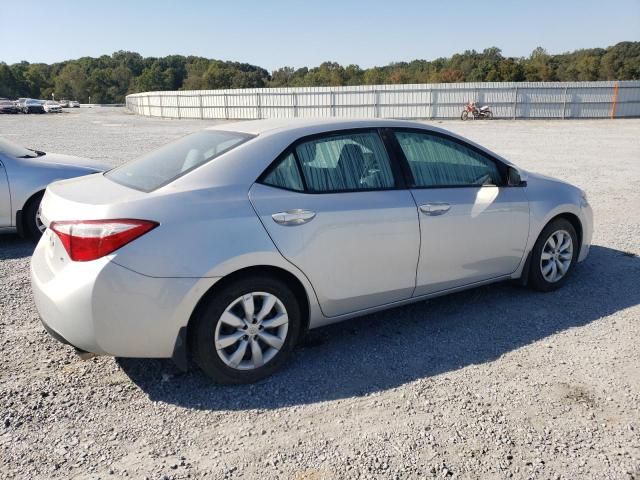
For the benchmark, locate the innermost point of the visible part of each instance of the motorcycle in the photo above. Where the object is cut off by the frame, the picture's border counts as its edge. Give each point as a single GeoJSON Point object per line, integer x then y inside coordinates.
{"type": "Point", "coordinates": [471, 110]}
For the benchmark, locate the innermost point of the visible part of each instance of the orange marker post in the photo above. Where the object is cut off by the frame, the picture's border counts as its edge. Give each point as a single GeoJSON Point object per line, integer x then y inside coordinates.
{"type": "Point", "coordinates": [614, 101]}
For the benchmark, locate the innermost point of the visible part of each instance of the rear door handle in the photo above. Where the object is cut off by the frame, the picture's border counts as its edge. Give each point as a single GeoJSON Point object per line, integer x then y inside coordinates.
{"type": "Point", "coordinates": [293, 217]}
{"type": "Point", "coordinates": [434, 209]}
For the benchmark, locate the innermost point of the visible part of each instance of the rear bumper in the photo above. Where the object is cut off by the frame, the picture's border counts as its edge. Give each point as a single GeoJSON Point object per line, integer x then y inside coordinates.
{"type": "Point", "coordinates": [59, 337]}
{"type": "Point", "coordinates": [103, 308]}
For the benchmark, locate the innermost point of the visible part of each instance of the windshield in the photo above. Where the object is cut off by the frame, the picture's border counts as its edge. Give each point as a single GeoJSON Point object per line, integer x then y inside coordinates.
{"type": "Point", "coordinates": [166, 164]}
{"type": "Point", "coordinates": [18, 151]}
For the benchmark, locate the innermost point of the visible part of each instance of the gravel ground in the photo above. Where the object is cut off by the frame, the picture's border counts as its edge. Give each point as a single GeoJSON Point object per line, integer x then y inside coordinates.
{"type": "Point", "coordinates": [497, 382]}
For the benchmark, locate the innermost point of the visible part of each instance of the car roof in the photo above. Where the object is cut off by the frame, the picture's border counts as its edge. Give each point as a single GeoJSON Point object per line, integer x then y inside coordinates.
{"type": "Point", "coordinates": [303, 127]}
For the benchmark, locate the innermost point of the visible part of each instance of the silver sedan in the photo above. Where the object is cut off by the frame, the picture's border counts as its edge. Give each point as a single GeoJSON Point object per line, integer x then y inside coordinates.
{"type": "Point", "coordinates": [230, 243]}
{"type": "Point", "coordinates": [24, 175]}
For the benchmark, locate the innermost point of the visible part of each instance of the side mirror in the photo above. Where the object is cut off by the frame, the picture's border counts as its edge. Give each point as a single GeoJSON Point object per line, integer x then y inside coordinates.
{"type": "Point", "coordinates": [514, 178]}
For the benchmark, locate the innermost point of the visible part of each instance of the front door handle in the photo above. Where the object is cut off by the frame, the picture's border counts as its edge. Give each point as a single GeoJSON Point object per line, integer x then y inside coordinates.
{"type": "Point", "coordinates": [293, 217]}
{"type": "Point", "coordinates": [434, 209]}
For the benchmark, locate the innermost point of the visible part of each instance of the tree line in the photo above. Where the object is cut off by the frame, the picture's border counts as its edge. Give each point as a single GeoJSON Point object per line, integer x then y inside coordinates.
{"type": "Point", "coordinates": [108, 79]}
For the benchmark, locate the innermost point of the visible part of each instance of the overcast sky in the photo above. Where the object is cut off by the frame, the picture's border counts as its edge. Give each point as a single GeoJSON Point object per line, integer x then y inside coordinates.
{"type": "Point", "coordinates": [274, 33]}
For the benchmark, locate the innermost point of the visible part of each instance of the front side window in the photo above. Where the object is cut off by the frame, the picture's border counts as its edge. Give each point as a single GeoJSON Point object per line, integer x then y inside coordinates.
{"type": "Point", "coordinates": [166, 164]}
{"type": "Point", "coordinates": [439, 162]}
{"type": "Point", "coordinates": [352, 161]}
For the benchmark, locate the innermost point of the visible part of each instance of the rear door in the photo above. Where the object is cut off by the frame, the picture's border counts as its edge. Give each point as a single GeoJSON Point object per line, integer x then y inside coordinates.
{"type": "Point", "coordinates": [5, 198]}
{"type": "Point", "coordinates": [334, 206]}
{"type": "Point", "coordinates": [473, 227]}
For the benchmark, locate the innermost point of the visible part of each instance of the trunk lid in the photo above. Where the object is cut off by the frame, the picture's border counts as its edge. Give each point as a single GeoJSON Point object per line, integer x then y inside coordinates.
{"type": "Point", "coordinates": [92, 197]}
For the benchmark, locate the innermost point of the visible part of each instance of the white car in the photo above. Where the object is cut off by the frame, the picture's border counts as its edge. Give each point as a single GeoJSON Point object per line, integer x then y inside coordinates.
{"type": "Point", "coordinates": [231, 242]}
{"type": "Point", "coordinates": [51, 106]}
{"type": "Point", "coordinates": [74, 104]}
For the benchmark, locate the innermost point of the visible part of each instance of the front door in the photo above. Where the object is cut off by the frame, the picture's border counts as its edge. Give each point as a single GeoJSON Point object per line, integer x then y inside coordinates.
{"type": "Point", "coordinates": [332, 208]}
{"type": "Point", "coordinates": [5, 198]}
{"type": "Point", "coordinates": [473, 227]}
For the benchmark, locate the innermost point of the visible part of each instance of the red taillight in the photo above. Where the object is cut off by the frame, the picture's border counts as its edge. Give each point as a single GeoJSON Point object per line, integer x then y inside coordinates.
{"type": "Point", "coordinates": [86, 240]}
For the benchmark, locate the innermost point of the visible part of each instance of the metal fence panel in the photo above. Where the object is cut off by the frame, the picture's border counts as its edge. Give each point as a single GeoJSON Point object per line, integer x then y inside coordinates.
{"type": "Point", "coordinates": [508, 100]}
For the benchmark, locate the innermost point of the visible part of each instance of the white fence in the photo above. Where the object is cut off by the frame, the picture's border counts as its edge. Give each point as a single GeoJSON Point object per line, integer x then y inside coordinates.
{"type": "Point", "coordinates": [552, 100]}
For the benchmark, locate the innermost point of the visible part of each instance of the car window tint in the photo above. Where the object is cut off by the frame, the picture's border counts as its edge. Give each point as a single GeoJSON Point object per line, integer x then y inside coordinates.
{"type": "Point", "coordinates": [354, 161]}
{"type": "Point", "coordinates": [166, 164]}
{"type": "Point", "coordinates": [285, 175]}
{"type": "Point", "coordinates": [437, 161]}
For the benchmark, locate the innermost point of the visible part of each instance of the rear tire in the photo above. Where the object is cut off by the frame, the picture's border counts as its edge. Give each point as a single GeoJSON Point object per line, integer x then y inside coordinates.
{"type": "Point", "coordinates": [31, 221]}
{"type": "Point", "coordinates": [553, 256]}
{"type": "Point", "coordinates": [243, 333]}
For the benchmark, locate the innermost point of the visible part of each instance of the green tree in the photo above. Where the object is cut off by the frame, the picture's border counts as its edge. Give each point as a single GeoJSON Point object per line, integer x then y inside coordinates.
{"type": "Point", "coordinates": [538, 68]}
{"type": "Point", "coordinates": [9, 87]}
{"type": "Point", "coordinates": [150, 80]}
{"type": "Point", "coordinates": [195, 74]}
{"type": "Point", "coordinates": [72, 83]}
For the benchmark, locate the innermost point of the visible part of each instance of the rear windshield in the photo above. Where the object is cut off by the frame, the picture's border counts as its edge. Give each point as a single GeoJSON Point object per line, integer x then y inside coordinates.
{"type": "Point", "coordinates": [164, 165]}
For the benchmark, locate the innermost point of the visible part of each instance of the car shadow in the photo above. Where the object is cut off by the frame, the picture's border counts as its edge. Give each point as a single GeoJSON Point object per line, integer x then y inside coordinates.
{"type": "Point", "coordinates": [13, 247]}
{"type": "Point", "coordinates": [387, 349]}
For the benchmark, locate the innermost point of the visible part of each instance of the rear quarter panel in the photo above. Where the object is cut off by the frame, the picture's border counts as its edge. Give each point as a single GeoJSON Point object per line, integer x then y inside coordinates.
{"type": "Point", "coordinates": [203, 233]}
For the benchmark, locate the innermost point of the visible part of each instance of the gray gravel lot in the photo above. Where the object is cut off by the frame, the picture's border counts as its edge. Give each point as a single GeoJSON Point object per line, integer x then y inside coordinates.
{"type": "Point", "coordinates": [497, 382]}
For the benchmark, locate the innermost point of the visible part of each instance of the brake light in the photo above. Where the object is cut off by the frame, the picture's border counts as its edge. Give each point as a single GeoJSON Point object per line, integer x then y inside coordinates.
{"type": "Point", "coordinates": [87, 240]}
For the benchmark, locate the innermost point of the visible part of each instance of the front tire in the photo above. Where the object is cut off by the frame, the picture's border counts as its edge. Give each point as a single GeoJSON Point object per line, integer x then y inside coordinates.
{"type": "Point", "coordinates": [464, 116]}
{"type": "Point", "coordinates": [247, 330]}
{"type": "Point", "coordinates": [553, 256]}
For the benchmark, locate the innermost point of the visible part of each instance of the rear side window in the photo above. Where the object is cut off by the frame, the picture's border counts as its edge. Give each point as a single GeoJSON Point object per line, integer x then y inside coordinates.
{"type": "Point", "coordinates": [162, 166]}
{"type": "Point", "coordinates": [439, 162]}
{"type": "Point", "coordinates": [285, 175]}
{"type": "Point", "coordinates": [353, 161]}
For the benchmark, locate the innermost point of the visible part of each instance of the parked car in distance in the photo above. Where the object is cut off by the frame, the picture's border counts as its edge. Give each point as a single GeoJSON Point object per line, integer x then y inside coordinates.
{"type": "Point", "coordinates": [24, 175]}
{"type": "Point", "coordinates": [64, 103]}
{"type": "Point", "coordinates": [7, 106]}
{"type": "Point", "coordinates": [29, 105]}
{"type": "Point", "coordinates": [228, 244]}
{"type": "Point", "coordinates": [51, 106]}
{"type": "Point", "coordinates": [74, 104]}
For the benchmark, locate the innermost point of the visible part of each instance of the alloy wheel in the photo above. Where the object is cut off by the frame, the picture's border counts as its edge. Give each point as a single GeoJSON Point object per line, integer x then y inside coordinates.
{"type": "Point", "coordinates": [556, 256]}
{"type": "Point", "coordinates": [251, 331]}
{"type": "Point", "coordinates": [41, 226]}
